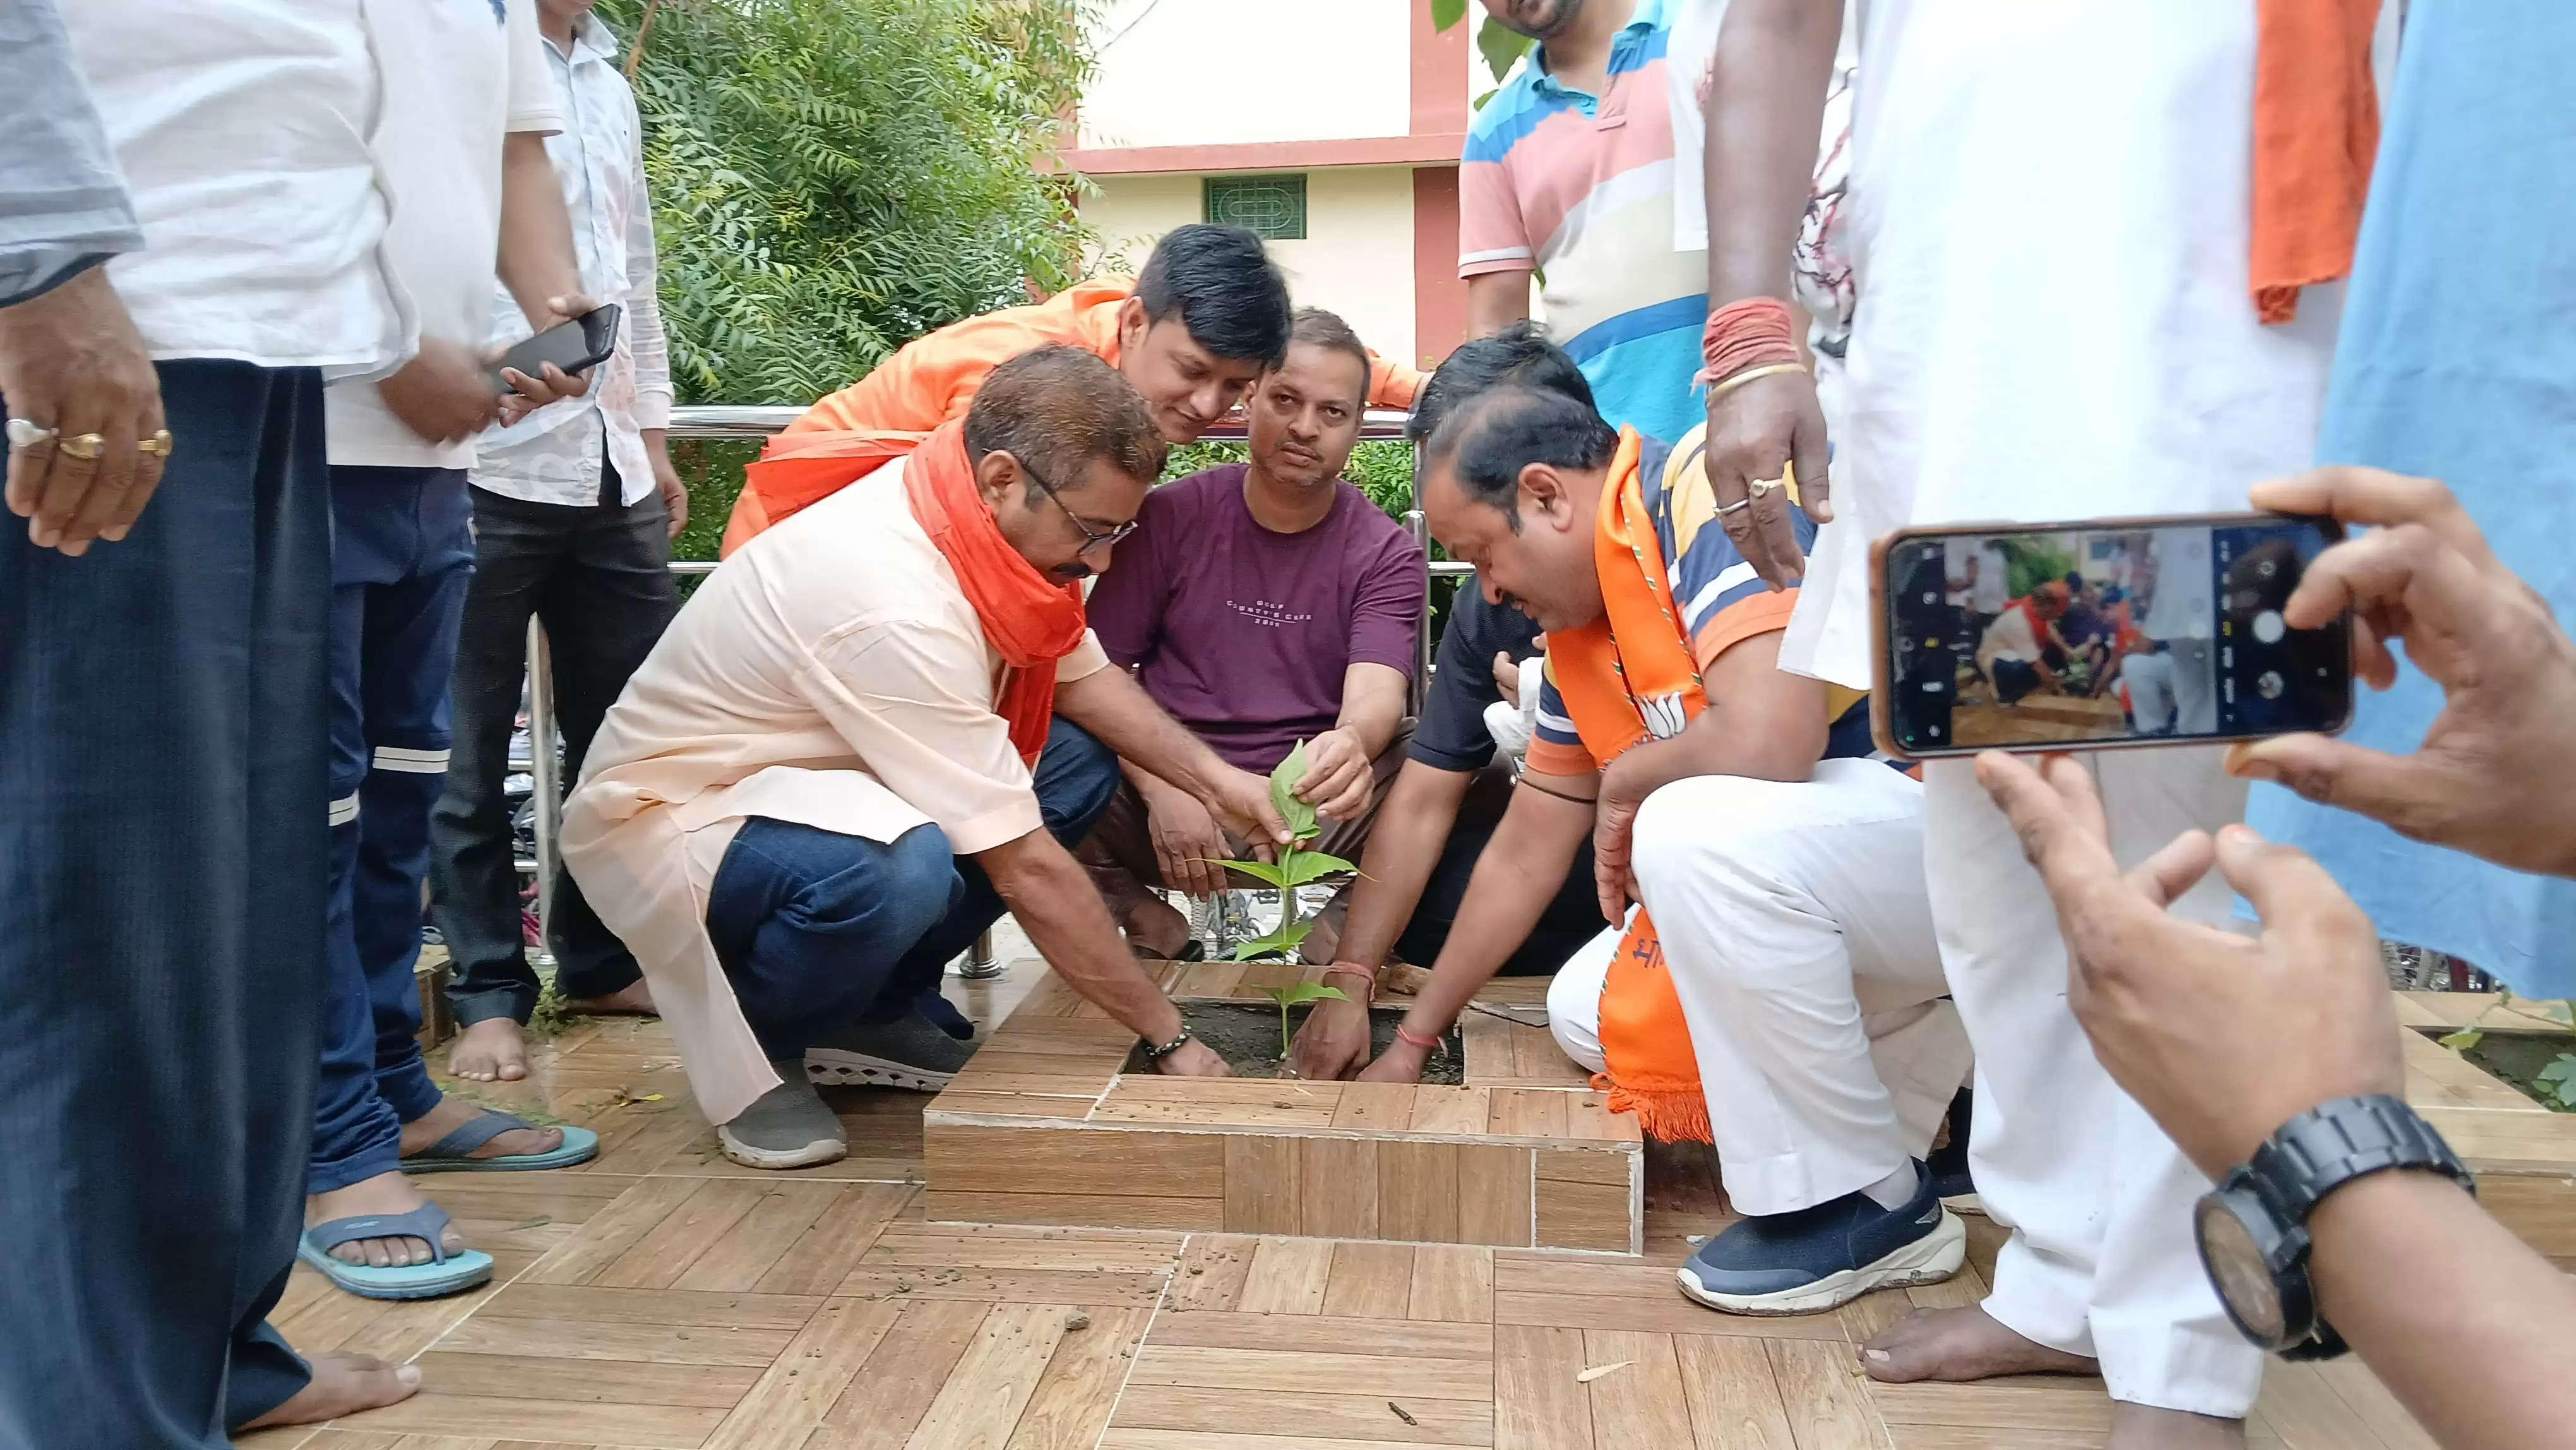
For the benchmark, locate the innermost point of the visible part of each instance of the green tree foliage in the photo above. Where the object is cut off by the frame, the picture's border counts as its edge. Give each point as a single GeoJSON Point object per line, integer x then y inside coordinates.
{"type": "Point", "coordinates": [833, 178]}
{"type": "Point", "coordinates": [2033, 560]}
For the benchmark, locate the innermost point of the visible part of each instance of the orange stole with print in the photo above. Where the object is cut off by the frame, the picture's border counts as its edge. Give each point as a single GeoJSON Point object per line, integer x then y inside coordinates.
{"type": "Point", "coordinates": [1627, 678]}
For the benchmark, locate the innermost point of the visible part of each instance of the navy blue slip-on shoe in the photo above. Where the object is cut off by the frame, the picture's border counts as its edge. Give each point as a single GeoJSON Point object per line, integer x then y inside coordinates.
{"type": "Point", "coordinates": [1819, 1258]}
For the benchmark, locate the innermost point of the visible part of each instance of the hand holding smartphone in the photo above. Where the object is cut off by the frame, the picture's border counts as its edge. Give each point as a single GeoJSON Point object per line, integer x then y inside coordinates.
{"type": "Point", "coordinates": [573, 346]}
{"type": "Point", "coordinates": [2101, 634]}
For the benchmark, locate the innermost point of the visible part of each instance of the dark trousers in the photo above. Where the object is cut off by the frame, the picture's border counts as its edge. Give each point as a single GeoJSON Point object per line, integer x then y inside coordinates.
{"type": "Point", "coordinates": [163, 860]}
{"type": "Point", "coordinates": [1572, 918]}
{"type": "Point", "coordinates": [402, 553]}
{"type": "Point", "coordinates": [818, 930]}
{"type": "Point", "coordinates": [599, 576]}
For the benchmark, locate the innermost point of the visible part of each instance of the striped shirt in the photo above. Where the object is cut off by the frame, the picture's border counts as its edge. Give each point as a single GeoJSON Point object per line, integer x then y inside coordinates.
{"type": "Point", "coordinates": [1723, 603]}
{"type": "Point", "coordinates": [1580, 188]}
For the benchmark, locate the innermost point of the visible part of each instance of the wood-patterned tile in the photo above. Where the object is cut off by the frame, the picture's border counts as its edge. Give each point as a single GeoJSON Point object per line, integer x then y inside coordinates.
{"type": "Point", "coordinates": [1263, 1183]}
{"type": "Point", "coordinates": [895, 1385]}
{"type": "Point", "coordinates": [1337, 1178]}
{"type": "Point", "coordinates": [1640, 1401]}
{"type": "Point", "coordinates": [826, 1252]}
{"type": "Point", "coordinates": [1212, 1271]}
{"type": "Point", "coordinates": [1538, 1402]}
{"type": "Point", "coordinates": [1299, 1419]}
{"type": "Point", "coordinates": [1071, 1405]}
{"type": "Point", "coordinates": [1494, 1188]}
{"type": "Point", "coordinates": [1417, 1191]}
{"type": "Point", "coordinates": [1370, 1281]}
{"type": "Point", "coordinates": [995, 1379]}
{"type": "Point", "coordinates": [1327, 1333]}
{"type": "Point", "coordinates": [1289, 1276]}
{"type": "Point", "coordinates": [795, 1393]}
{"type": "Point", "coordinates": [1733, 1394]}
{"type": "Point", "coordinates": [1452, 1284]}
{"type": "Point", "coordinates": [1281, 1369]}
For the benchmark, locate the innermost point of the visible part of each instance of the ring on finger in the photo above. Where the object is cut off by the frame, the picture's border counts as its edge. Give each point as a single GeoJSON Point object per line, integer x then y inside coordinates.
{"type": "Point", "coordinates": [84, 446]}
{"type": "Point", "coordinates": [157, 446]}
{"type": "Point", "coordinates": [27, 435]}
{"type": "Point", "coordinates": [1760, 486]}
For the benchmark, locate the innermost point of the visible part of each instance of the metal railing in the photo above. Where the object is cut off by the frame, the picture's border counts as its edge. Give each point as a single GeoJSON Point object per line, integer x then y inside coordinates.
{"type": "Point", "coordinates": [742, 423]}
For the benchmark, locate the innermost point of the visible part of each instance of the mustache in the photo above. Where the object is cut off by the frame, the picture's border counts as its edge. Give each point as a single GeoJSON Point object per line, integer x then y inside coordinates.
{"type": "Point", "coordinates": [1073, 573]}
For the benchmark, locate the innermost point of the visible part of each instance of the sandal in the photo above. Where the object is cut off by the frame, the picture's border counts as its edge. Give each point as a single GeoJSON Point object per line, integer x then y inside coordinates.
{"type": "Point", "coordinates": [454, 1153]}
{"type": "Point", "coordinates": [447, 1272]}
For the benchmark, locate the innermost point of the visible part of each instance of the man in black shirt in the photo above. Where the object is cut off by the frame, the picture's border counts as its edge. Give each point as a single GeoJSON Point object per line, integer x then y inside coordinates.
{"type": "Point", "coordinates": [1451, 791]}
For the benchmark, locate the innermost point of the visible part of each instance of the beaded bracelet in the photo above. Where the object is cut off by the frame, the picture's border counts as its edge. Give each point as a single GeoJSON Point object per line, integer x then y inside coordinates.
{"type": "Point", "coordinates": [1157, 1054]}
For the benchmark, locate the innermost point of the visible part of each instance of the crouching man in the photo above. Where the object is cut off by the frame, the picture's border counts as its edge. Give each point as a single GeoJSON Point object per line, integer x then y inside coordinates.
{"type": "Point", "coordinates": [1778, 992]}
{"type": "Point", "coordinates": [869, 732]}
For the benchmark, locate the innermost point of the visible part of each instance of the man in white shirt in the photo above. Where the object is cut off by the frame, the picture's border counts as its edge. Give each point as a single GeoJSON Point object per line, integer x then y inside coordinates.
{"type": "Point", "coordinates": [461, 137]}
{"type": "Point", "coordinates": [163, 676]}
{"type": "Point", "coordinates": [574, 510]}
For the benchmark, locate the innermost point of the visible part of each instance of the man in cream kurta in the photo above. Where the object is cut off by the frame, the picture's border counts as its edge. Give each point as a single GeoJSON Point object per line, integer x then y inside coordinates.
{"type": "Point", "coordinates": [752, 819]}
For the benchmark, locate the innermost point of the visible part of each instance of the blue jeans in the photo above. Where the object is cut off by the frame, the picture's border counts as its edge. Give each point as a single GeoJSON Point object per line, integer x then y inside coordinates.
{"type": "Point", "coordinates": [163, 860]}
{"type": "Point", "coordinates": [818, 930]}
{"type": "Point", "coordinates": [402, 552]}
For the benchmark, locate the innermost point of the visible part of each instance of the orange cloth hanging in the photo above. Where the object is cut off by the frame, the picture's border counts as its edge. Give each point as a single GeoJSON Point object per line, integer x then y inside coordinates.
{"type": "Point", "coordinates": [2316, 131]}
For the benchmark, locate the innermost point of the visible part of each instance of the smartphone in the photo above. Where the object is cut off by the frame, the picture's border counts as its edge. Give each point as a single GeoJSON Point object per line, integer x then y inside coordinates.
{"type": "Point", "coordinates": [584, 342]}
{"type": "Point", "coordinates": [2102, 634]}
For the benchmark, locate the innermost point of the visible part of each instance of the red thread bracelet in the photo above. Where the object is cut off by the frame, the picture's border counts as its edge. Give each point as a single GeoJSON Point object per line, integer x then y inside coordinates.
{"type": "Point", "coordinates": [1427, 1044]}
{"type": "Point", "coordinates": [1746, 334]}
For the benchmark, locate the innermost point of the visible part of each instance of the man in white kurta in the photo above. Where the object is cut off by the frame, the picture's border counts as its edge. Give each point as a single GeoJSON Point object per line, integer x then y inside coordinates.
{"type": "Point", "coordinates": [2050, 226]}
{"type": "Point", "coordinates": [807, 800]}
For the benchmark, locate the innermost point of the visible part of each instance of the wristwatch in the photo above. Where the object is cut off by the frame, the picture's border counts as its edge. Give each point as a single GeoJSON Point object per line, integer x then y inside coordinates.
{"type": "Point", "coordinates": [2252, 1228]}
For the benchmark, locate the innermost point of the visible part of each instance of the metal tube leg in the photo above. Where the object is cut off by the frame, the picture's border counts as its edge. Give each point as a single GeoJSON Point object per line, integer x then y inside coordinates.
{"type": "Point", "coordinates": [548, 768]}
{"type": "Point", "coordinates": [978, 962]}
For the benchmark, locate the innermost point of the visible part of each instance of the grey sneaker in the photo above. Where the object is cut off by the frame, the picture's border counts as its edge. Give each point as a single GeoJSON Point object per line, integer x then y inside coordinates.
{"type": "Point", "coordinates": [910, 1052]}
{"type": "Point", "coordinates": [789, 1127]}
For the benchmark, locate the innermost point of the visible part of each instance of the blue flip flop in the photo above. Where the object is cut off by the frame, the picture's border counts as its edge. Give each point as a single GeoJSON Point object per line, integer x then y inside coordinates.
{"type": "Point", "coordinates": [446, 1272]}
{"type": "Point", "coordinates": [454, 1153]}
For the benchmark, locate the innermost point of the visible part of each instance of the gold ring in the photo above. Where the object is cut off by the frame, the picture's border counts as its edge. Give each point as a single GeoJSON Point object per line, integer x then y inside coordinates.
{"type": "Point", "coordinates": [158, 445]}
{"type": "Point", "coordinates": [26, 435]}
{"type": "Point", "coordinates": [84, 446]}
{"type": "Point", "coordinates": [1761, 486]}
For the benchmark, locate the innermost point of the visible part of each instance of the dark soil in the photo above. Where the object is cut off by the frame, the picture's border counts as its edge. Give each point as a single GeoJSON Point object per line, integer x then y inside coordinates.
{"type": "Point", "coordinates": [2518, 1057]}
{"type": "Point", "coordinates": [1246, 1035]}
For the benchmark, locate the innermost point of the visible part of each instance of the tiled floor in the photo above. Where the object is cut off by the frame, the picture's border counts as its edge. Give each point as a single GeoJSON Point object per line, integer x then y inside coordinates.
{"type": "Point", "coordinates": [662, 1297]}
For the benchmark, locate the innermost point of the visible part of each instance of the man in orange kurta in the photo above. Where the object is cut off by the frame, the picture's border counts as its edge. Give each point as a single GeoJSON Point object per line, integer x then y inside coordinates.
{"type": "Point", "coordinates": [1191, 331]}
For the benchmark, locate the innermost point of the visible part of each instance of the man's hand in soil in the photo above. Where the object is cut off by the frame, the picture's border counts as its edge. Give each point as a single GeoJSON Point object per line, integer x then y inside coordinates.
{"type": "Point", "coordinates": [1187, 843]}
{"type": "Point", "coordinates": [1334, 1041]}
{"type": "Point", "coordinates": [2220, 1038]}
{"type": "Point", "coordinates": [1194, 1059]}
{"type": "Point", "coordinates": [2491, 776]}
{"type": "Point", "coordinates": [1401, 1062]}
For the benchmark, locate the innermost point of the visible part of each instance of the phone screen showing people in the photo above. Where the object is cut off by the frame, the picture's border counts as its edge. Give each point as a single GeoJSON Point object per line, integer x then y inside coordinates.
{"type": "Point", "coordinates": [2095, 634]}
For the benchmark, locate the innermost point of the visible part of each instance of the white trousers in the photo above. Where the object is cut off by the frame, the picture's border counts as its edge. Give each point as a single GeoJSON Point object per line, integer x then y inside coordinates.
{"type": "Point", "coordinates": [2151, 691]}
{"type": "Point", "coordinates": [1800, 943]}
{"type": "Point", "coordinates": [2101, 1260]}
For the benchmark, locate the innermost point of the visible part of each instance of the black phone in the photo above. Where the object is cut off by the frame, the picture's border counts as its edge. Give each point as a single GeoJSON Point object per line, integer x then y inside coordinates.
{"type": "Point", "coordinates": [584, 342]}
{"type": "Point", "coordinates": [2101, 634]}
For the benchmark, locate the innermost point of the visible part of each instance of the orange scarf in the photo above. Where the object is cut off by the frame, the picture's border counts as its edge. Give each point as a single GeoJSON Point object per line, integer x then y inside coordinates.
{"type": "Point", "coordinates": [1029, 619]}
{"type": "Point", "coordinates": [1627, 678]}
{"type": "Point", "coordinates": [2316, 128]}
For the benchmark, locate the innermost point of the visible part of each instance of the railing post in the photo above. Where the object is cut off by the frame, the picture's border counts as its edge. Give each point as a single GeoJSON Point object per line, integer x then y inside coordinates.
{"type": "Point", "coordinates": [978, 963]}
{"type": "Point", "coordinates": [548, 770]}
{"type": "Point", "coordinates": [1419, 690]}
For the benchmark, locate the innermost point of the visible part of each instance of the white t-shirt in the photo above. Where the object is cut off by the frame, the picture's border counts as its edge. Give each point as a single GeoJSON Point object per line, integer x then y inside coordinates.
{"type": "Point", "coordinates": [242, 131]}
{"type": "Point", "coordinates": [459, 74]}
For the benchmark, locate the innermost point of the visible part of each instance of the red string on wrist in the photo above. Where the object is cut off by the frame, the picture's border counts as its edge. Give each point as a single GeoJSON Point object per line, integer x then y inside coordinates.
{"type": "Point", "coordinates": [1427, 1044]}
{"type": "Point", "coordinates": [1746, 334]}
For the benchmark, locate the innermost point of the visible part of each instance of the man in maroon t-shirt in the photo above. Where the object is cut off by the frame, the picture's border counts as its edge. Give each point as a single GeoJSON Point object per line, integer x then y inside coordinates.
{"type": "Point", "coordinates": [1261, 604]}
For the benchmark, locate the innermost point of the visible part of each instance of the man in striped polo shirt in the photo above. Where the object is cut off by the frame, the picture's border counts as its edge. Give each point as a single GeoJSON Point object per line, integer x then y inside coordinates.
{"type": "Point", "coordinates": [1568, 172]}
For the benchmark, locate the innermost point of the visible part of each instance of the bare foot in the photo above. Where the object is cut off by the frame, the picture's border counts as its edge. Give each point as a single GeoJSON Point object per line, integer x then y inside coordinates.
{"type": "Point", "coordinates": [1959, 1344]}
{"type": "Point", "coordinates": [635, 999]}
{"type": "Point", "coordinates": [386, 1193]}
{"type": "Point", "coordinates": [1155, 928]}
{"type": "Point", "coordinates": [343, 1384]}
{"type": "Point", "coordinates": [2143, 1427]}
{"type": "Point", "coordinates": [452, 1114]}
{"type": "Point", "coordinates": [492, 1050]}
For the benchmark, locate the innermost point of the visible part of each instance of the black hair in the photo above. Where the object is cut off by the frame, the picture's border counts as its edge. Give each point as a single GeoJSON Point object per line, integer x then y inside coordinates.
{"type": "Point", "coordinates": [1057, 408]}
{"type": "Point", "coordinates": [1315, 327]}
{"type": "Point", "coordinates": [2074, 581]}
{"type": "Point", "coordinates": [1487, 440]}
{"type": "Point", "coordinates": [1221, 282]}
{"type": "Point", "coordinates": [1519, 353]}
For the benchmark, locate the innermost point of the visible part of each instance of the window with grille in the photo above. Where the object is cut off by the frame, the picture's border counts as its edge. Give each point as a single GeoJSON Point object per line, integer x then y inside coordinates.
{"type": "Point", "coordinates": [1271, 206]}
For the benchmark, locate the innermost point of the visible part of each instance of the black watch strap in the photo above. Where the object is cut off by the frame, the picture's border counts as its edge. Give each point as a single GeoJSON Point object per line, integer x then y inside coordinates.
{"type": "Point", "coordinates": [2336, 1142]}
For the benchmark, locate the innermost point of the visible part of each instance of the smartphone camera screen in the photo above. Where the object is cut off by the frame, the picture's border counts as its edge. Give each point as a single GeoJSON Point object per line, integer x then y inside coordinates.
{"type": "Point", "coordinates": [2107, 634]}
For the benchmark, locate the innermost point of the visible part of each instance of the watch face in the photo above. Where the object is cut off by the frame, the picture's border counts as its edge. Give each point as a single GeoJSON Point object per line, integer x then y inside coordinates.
{"type": "Point", "coordinates": [2237, 1271]}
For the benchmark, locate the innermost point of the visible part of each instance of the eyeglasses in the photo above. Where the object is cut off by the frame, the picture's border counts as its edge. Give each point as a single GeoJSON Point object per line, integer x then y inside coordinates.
{"type": "Point", "coordinates": [1091, 538]}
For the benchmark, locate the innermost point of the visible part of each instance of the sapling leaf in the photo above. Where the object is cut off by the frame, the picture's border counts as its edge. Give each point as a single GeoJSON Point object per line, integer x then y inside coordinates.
{"type": "Point", "coordinates": [1259, 870]}
{"type": "Point", "coordinates": [1445, 13]}
{"type": "Point", "coordinates": [1299, 816]}
{"type": "Point", "coordinates": [1261, 946]}
{"type": "Point", "coordinates": [1500, 46]}
{"type": "Point", "coordinates": [1305, 866]}
{"type": "Point", "coordinates": [1291, 996]}
{"type": "Point", "coordinates": [2562, 1011]}
{"type": "Point", "coordinates": [2462, 1040]}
